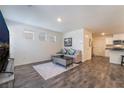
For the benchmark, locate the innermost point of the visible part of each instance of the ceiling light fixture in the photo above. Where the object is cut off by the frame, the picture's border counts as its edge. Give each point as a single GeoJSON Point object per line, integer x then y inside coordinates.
{"type": "Point", "coordinates": [59, 19]}
{"type": "Point", "coordinates": [102, 34]}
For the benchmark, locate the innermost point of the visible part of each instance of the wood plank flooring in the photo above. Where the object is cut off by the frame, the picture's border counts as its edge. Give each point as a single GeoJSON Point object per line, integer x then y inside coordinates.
{"type": "Point", "coordinates": [97, 72]}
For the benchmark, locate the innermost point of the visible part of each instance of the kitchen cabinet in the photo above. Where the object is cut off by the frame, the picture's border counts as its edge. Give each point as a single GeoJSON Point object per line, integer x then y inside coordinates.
{"type": "Point", "coordinates": [109, 40]}
{"type": "Point", "coordinates": [118, 37]}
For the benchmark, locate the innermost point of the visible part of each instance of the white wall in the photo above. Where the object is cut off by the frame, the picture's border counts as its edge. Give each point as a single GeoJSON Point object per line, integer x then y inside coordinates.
{"type": "Point", "coordinates": [87, 47]}
{"type": "Point", "coordinates": [77, 38]}
{"type": "Point", "coordinates": [26, 51]}
{"type": "Point", "coordinates": [99, 45]}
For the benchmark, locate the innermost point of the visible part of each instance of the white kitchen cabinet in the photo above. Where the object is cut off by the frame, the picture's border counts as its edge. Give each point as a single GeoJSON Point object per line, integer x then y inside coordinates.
{"type": "Point", "coordinates": [118, 36]}
{"type": "Point", "coordinates": [109, 40]}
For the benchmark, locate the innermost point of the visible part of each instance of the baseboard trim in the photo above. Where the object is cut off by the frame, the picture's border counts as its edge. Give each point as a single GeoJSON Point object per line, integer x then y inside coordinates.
{"type": "Point", "coordinates": [34, 63]}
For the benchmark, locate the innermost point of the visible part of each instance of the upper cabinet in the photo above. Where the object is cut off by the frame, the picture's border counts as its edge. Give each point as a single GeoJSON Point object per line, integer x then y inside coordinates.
{"type": "Point", "coordinates": [109, 40]}
{"type": "Point", "coordinates": [118, 36]}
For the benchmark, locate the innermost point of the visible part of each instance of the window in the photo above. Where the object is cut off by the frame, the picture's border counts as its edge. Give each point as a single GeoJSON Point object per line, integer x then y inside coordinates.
{"type": "Point", "coordinates": [52, 38]}
{"type": "Point", "coordinates": [43, 36]}
{"type": "Point", "coordinates": [29, 35]}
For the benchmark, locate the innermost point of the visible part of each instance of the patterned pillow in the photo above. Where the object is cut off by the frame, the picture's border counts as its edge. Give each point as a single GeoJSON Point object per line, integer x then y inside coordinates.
{"type": "Point", "coordinates": [71, 51]}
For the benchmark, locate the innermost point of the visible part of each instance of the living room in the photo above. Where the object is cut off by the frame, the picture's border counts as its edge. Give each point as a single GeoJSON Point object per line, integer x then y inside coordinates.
{"type": "Point", "coordinates": [63, 46]}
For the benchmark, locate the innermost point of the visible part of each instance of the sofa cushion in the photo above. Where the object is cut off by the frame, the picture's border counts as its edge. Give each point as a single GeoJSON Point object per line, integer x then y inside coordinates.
{"type": "Point", "coordinates": [71, 56]}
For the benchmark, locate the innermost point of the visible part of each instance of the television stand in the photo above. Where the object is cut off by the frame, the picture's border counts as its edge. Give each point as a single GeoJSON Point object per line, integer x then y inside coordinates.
{"type": "Point", "coordinates": [7, 77]}
{"type": "Point", "coordinates": [7, 72]}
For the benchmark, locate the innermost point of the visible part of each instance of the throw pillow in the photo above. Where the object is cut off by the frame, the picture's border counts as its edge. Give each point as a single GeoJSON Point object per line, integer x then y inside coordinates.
{"type": "Point", "coordinates": [71, 51]}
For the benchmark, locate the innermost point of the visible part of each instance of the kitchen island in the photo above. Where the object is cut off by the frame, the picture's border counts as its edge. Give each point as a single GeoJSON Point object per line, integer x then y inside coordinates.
{"type": "Point", "coordinates": [115, 55]}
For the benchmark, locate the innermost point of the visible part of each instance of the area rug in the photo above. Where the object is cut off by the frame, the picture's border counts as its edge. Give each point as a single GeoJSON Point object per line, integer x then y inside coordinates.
{"type": "Point", "coordinates": [49, 70]}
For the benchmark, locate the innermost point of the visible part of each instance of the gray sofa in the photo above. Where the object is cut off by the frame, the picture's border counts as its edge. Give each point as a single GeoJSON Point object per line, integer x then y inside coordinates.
{"type": "Point", "coordinates": [77, 56]}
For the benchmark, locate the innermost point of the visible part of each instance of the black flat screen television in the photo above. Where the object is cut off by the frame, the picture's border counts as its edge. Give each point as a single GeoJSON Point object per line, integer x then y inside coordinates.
{"type": "Point", "coordinates": [4, 43]}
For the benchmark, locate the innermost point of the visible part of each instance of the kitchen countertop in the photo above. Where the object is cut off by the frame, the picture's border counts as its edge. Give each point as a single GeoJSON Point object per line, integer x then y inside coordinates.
{"type": "Point", "coordinates": [115, 47]}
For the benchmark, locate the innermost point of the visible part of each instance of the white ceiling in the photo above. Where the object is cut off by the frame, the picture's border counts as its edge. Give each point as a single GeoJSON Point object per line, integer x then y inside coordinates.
{"type": "Point", "coordinates": [109, 19]}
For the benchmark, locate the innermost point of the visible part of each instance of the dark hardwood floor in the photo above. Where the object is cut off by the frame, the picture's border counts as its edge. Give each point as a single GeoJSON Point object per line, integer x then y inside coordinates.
{"type": "Point", "coordinates": [97, 72]}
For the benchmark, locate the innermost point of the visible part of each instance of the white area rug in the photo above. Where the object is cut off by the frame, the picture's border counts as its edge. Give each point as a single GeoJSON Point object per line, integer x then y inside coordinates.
{"type": "Point", "coordinates": [49, 70]}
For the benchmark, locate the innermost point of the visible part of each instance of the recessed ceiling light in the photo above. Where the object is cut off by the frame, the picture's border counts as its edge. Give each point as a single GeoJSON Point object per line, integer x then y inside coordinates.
{"type": "Point", "coordinates": [103, 34]}
{"type": "Point", "coordinates": [59, 19]}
